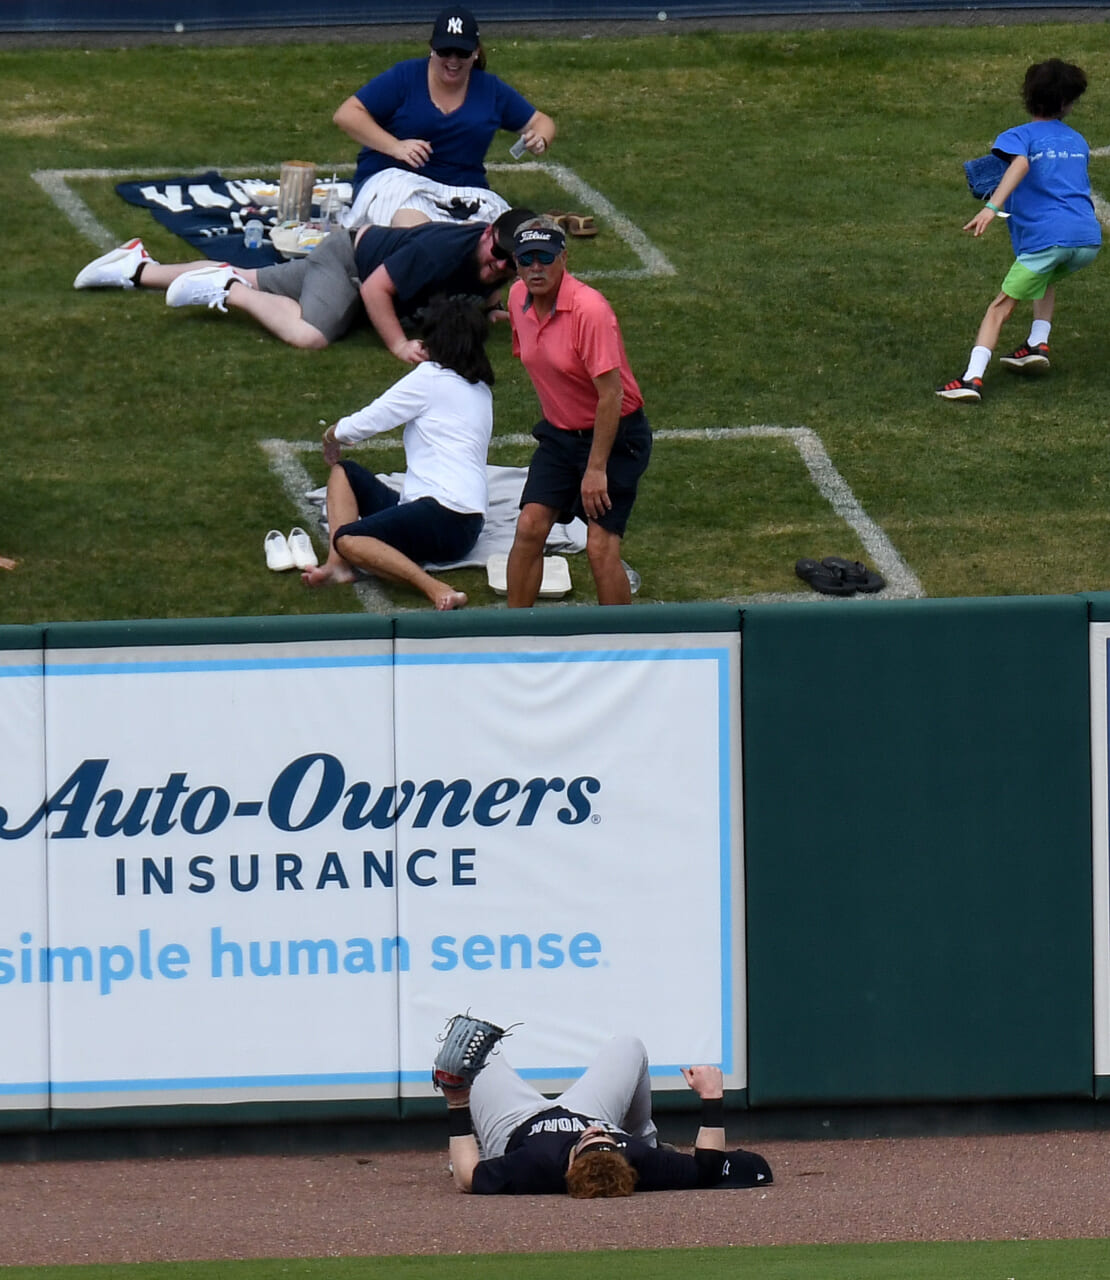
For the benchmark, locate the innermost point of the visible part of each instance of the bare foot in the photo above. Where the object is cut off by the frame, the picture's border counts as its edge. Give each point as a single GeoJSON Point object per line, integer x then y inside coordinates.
{"type": "Point", "coordinates": [5, 563]}
{"type": "Point", "coordinates": [328, 574]}
{"type": "Point", "coordinates": [450, 599]}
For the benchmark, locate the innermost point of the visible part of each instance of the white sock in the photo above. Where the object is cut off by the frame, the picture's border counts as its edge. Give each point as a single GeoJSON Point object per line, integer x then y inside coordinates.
{"type": "Point", "coordinates": [977, 365]}
{"type": "Point", "coordinates": [1039, 331]}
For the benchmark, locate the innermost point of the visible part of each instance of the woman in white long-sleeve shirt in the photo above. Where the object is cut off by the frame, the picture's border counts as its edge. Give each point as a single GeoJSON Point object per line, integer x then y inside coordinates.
{"type": "Point", "coordinates": [446, 407]}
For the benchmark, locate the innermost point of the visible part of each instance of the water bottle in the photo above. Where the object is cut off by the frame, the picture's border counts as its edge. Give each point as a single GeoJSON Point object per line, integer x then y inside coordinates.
{"type": "Point", "coordinates": [252, 234]}
{"type": "Point", "coordinates": [331, 208]}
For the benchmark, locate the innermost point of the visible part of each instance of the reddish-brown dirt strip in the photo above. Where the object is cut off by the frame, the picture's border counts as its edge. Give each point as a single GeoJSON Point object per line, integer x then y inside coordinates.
{"type": "Point", "coordinates": [1035, 1186]}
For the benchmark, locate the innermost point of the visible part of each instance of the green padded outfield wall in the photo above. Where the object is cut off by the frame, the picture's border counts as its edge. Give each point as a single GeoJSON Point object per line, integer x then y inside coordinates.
{"type": "Point", "coordinates": [917, 796]}
{"type": "Point", "coordinates": [917, 837]}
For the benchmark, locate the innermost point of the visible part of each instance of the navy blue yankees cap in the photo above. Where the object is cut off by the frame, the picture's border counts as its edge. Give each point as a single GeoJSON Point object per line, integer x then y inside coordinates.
{"type": "Point", "coordinates": [455, 28]}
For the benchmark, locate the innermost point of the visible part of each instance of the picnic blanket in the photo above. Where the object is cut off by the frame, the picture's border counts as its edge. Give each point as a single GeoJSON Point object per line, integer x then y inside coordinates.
{"type": "Point", "coordinates": [208, 212]}
{"type": "Point", "coordinates": [505, 487]}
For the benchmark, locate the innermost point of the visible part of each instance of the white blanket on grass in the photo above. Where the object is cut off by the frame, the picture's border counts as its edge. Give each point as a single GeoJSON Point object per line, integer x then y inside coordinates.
{"type": "Point", "coordinates": [505, 487]}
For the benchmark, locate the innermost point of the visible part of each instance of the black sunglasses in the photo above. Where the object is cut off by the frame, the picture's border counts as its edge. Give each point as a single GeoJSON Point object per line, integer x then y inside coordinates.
{"type": "Point", "coordinates": [454, 53]}
{"type": "Point", "coordinates": [535, 255]}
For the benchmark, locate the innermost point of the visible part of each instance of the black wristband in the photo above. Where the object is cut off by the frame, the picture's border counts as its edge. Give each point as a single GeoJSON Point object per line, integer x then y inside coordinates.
{"type": "Point", "coordinates": [713, 1113]}
{"type": "Point", "coordinates": [459, 1123]}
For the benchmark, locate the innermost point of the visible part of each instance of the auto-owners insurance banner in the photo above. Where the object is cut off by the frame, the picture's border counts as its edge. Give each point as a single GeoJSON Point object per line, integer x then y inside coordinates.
{"type": "Point", "coordinates": [272, 871]}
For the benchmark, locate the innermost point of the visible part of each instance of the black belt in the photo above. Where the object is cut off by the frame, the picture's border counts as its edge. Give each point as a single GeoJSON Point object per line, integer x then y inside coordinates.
{"type": "Point", "coordinates": [581, 431]}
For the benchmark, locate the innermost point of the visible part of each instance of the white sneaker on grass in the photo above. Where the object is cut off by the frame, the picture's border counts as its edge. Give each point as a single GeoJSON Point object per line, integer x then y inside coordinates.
{"type": "Point", "coordinates": [205, 287]}
{"type": "Point", "coordinates": [114, 270]}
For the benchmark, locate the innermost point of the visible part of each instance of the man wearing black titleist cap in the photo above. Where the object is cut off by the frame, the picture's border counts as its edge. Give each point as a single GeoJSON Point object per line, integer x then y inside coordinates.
{"type": "Point", "coordinates": [596, 1139]}
{"type": "Point", "coordinates": [594, 440]}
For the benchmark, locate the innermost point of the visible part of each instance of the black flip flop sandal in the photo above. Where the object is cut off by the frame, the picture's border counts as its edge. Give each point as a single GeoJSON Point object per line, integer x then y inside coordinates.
{"type": "Point", "coordinates": [830, 582]}
{"type": "Point", "coordinates": [856, 574]}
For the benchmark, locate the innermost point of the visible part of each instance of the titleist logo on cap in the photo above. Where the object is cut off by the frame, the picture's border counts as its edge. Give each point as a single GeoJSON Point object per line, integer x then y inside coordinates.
{"type": "Point", "coordinates": [540, 234]}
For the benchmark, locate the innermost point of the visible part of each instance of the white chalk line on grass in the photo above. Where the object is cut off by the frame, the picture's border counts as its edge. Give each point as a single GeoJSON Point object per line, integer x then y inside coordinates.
{"type": "Point", "coordinates": [654, 262]}
{"type": "Point", "coordinates": [1102, 209]}
{"type": "Point", "coordinates": [901, 581]}
{"type": "Point", "coordinates": [55, 182]}
{"type": "Point", "coordinates": [296, 482]}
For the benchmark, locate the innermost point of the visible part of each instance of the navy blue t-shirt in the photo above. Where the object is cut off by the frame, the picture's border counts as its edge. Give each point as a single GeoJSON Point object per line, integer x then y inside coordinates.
{"type": "Point", "coordinates": [399, 101]}
{"type": "Point", "coordinates": [438, 257]}
{"type": "Point", "coordinates": [536, 1156]}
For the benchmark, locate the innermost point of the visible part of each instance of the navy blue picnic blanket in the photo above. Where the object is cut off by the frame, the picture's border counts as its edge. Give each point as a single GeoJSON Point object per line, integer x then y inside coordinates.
{"type": "Point", "coordinates": [208, 212]}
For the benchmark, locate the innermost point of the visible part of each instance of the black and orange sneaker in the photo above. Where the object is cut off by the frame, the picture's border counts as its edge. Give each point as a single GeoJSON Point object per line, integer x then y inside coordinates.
{"type": "Point", "coordinates": [1027, 357]}
{"type": "Point", "coordinates": [962, 389]}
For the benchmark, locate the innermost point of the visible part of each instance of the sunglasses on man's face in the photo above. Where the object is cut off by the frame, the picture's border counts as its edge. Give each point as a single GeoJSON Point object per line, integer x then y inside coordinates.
{"type": "Point", "coordinates": [461, 54]}
{"type": "Point", "coordinates": [535, 255]}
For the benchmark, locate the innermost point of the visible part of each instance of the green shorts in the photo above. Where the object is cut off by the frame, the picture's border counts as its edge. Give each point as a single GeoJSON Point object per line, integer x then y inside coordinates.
{"type": "Point", "coordinates": [1032, 273]}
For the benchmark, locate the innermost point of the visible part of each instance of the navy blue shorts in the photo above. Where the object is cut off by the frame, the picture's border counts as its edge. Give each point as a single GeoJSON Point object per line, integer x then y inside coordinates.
{"type": "Point", "coordinates": [424, 530]}
{"type": "Point", "coordinates": [559, 463]}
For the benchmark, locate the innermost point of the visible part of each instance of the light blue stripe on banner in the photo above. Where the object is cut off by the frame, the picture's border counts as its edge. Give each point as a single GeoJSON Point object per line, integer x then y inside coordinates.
{"type": "Point", "coordinates": [1107, 657]}
{"type": "Point", "coordinates": [724, 765]}
{"type": "Point", "coordinates": [7, 672]}
{"type": "Point", "coordinates": [23, 1088]}
{"type": "Point", "coordinates": [177, 1083]}
{"type": "Point", "coordinates": [214, 664]}
{"type": "Point", "coordinates": [584, 655]}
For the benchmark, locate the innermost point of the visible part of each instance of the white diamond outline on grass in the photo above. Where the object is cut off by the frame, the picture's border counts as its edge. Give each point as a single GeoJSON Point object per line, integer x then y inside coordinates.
{"type": "Point", "coordinates": [653, 262]}
{"type": "Point", "coordinates": [901, 582]}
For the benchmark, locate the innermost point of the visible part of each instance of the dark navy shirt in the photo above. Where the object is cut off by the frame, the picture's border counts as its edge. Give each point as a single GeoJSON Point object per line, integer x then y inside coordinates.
{"type": "Point", "coordinates": [536, 1156]}
{"type": "Point", "coordinates": [399, 101]}
{"type": "Point", "coordinates": [438, 257]}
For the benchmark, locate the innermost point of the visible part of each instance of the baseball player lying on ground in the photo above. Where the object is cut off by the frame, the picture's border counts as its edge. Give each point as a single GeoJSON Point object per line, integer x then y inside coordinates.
{"type": "Point", "coordinates": [595, 1139]}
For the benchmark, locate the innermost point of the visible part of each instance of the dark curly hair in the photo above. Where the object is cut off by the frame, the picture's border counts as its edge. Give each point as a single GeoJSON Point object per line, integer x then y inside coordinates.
{"type": "Point", "coordinates": [454, 335]}
{"type": "Point", "coordinates": [597, 1174]}
{"type": "Point", "coordinates": [1051, 87]}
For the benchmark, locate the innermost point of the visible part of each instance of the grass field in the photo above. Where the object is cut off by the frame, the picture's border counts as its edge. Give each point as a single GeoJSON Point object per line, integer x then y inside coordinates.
{"type": "Point", "coordinates": [807, 189]}
{"type": "Point", "coordinates": [1002, 1260]}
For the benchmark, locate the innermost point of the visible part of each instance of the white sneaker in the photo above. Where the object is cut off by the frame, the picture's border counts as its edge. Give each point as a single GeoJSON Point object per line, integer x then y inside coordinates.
{"type": "Point", "coordinates": [301, 549]}
{"type": "Point", "coordinates": [206, 287]}
{"type": "Point", "coordinates": [114, 270]}
{"type": "Point", "coordinates": [278, 556]}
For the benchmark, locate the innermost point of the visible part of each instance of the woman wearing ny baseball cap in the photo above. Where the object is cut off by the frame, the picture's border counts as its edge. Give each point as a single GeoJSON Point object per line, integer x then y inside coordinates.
{"type": "Point", "coordinates": [425, 126]}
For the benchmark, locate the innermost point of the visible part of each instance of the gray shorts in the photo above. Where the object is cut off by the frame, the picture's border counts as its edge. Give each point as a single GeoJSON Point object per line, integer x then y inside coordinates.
{"type": "Point", "coordinates": [614, 1088]}
{"type": "Point", "coordinates": [325, 283]}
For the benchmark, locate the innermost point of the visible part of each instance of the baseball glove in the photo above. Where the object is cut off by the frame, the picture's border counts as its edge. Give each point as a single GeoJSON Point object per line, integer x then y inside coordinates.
{"type": "Point", "coordinates": [465, 1045]}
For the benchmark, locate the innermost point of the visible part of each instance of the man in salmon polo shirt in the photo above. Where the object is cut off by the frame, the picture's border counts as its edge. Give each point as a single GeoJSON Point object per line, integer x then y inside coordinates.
{"type": "Point", "coordinates": [594, 440]}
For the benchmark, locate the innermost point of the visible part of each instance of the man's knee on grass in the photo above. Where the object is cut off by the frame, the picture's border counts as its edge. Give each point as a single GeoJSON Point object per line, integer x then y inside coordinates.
{"type": "Point", "coordinates": [308, 338]}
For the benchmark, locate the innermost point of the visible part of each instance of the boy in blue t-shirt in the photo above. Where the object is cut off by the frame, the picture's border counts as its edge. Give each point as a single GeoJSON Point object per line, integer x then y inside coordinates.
{"type": "Point", "coordinates": [1047, 195]}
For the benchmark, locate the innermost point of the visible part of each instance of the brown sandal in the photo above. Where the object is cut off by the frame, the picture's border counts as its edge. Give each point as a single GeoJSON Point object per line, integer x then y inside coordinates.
{"type": "Point", "coordinates": [580, 225]}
